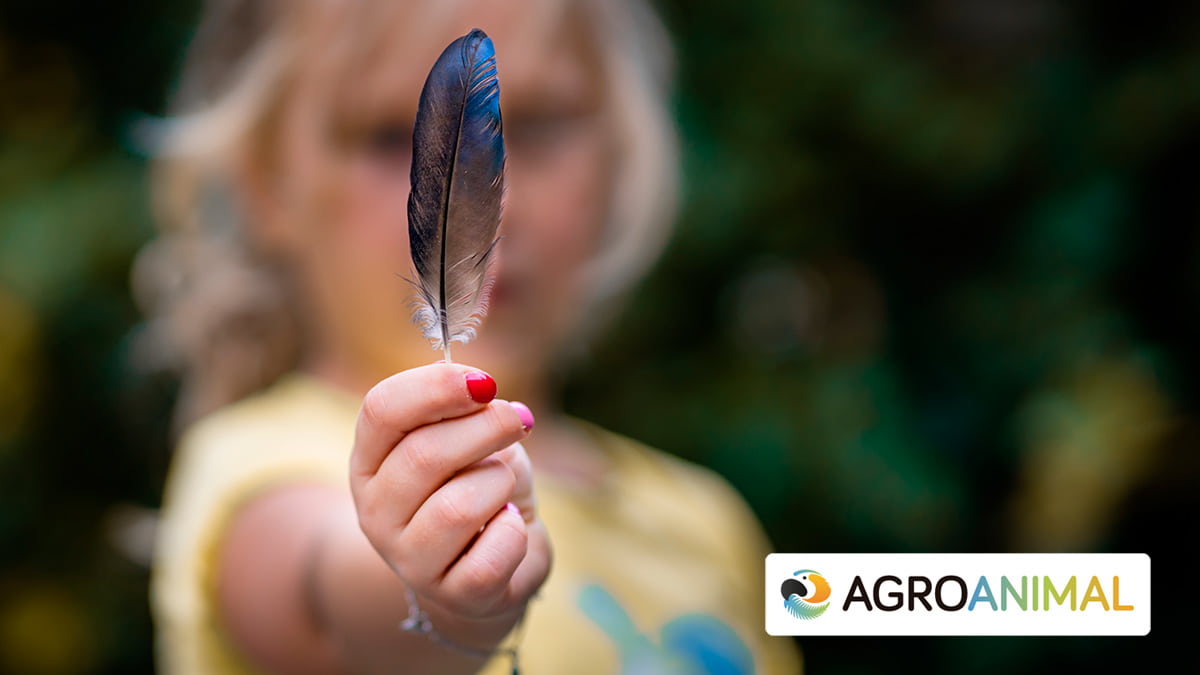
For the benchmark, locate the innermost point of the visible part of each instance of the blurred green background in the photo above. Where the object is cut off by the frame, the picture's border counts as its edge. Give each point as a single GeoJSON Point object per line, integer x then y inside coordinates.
{"type": "Point", "coordinates": [935, 288]}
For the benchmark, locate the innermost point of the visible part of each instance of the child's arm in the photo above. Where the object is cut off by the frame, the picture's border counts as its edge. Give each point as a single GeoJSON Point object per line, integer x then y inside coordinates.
{"type": "Point", "coordinates": [301, 588]}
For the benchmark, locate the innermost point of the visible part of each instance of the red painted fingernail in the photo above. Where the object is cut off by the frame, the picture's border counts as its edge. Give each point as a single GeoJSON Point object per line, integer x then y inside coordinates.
{"type": "Point", "coordinates": [524, 413]}
{"type": "Point", "coordinates": [481, 386]}
{"type": "Point", "coordinates": [513, 507]}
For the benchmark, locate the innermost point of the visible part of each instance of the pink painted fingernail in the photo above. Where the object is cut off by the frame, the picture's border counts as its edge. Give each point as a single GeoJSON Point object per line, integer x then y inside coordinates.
{"type": "Point", "coordinates": [513, 507]}
{"type": "Point", "coordinates": [524, 413]}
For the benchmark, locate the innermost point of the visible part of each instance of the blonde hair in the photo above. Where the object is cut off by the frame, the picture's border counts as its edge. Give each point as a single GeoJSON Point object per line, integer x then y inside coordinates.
{"type": "Point", "coordinates": [224, 313]}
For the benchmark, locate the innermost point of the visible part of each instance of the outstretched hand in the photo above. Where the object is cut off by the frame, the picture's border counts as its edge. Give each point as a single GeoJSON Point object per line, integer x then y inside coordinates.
{"type": "Point", "coordinates": [444, 492]}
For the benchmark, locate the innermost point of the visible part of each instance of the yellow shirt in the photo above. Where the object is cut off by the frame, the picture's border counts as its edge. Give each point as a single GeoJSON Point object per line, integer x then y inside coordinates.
{"type": "Point", "coordinates": [659, 570]}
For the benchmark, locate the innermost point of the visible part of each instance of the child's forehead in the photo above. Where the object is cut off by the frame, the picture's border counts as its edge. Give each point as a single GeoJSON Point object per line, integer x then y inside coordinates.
{"type": "Point", "coordinates": [378, 54]}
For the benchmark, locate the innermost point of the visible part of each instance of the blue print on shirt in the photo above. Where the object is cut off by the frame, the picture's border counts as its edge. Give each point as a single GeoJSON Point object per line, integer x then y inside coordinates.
{"type": "Point", "coordinates": [688, 645]}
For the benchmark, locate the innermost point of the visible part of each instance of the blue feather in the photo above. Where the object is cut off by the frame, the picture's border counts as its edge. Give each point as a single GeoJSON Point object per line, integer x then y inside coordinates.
{"type": "Point", "coordinates": [457, 190]}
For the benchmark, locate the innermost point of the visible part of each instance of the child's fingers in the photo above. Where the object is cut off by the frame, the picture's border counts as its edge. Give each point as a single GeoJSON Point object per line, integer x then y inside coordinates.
{"type": "Point", "coordinates": [428, 457]}
{"type": "Point", "coordinates": [406, 401]}
{"type": "Point", "coordinates": [532, 571]}
{"type": "Point", "coordinates": [518, 460]}
{"type": "Point", "coordinates": [447, 522]}
{"type": "Point", "coordinates": [479, 581]}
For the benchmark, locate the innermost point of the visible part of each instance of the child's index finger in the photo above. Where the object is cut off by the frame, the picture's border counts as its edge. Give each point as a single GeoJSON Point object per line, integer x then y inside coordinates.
{"type": "Point", "coordinates": [412, 399]}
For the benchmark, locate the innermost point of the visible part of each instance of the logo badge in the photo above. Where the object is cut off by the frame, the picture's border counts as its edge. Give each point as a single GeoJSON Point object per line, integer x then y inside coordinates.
{"type": "Point", "coordinates": [957, 594]}
{"type": "Point", "coordinates": [805, 594]}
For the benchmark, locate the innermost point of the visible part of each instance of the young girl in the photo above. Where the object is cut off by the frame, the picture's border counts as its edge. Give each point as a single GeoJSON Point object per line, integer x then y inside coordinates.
{"type": "Point", "coordinates": [340, 500]}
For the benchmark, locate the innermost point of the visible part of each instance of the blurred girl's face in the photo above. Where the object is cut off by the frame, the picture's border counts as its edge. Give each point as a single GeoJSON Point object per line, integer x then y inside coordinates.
{"type": "Point", "coordinates": [333, 194]}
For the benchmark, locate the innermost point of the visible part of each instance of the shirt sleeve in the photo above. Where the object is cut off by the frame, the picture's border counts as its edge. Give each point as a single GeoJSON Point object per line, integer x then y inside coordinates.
{"type": "Point", "coordinates": [220, 463]}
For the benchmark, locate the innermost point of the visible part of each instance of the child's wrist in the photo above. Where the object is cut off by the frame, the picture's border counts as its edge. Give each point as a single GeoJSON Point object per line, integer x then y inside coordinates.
{"type": "Point", "coordinates": [479, 635]}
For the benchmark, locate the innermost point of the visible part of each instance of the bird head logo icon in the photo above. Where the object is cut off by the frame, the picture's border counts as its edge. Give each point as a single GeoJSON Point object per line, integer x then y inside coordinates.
{"type": "Point", "coordinates": [805, 594]}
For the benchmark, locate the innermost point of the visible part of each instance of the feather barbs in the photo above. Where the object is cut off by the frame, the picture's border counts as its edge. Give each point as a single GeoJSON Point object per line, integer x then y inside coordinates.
{"type": "Point", "coordinates": [457, 190]}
